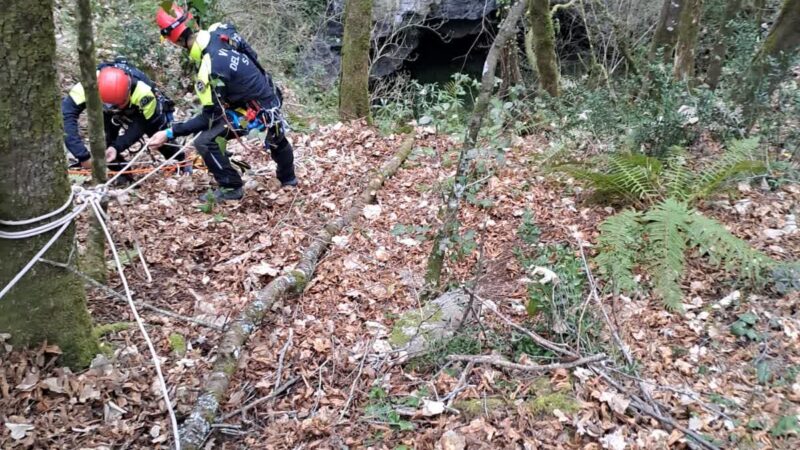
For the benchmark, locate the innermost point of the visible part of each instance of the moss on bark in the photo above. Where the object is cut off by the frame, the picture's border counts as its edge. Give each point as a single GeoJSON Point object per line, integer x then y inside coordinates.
{"type": "Point", "coordinates": [354, 82]}
{"type": "Point", "coordinates": [48, 304]}
{"type": "Point", "coordinates": [666, 34]}
{"type": "Point", "coordinates": [688, 31]}
{"type": "Point", "coordinates": [720, 50]}
{"type": "Point", "coordinates": [540, 24]}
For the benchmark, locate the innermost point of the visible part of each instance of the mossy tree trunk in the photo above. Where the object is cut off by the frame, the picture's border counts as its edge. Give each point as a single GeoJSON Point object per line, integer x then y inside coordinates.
{"type": "Point", "coordinates": [449, 228]}
{"type": "Point", "coordinates": [94, 258]}
{"type": "Point", "coordinates": [49, 303]}
{"type": "Point", "coordinates": [688, 31]}
{"type": "Point", "coordinates": [720, 49]}
{"type": "Point", "coordinates": [666, 34]}
{"type": "Point", "coordinates": [770, 64]}
{"type": "Point", "coordinates": [760, 6]}
{"type": "Point", "coordinates": [354, 82]}
{"type": "Point", "coordinates": [542, 42]}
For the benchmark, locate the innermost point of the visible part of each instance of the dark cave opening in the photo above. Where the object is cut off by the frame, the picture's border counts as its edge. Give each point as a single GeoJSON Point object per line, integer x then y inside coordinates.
{"type": "Point", "coordinates": [458, 47]}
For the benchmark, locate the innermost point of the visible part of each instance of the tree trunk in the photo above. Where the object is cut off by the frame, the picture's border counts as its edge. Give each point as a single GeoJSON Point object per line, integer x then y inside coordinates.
{"type": "Point", "coordinates": [770, 64]}
{"type": "Point", "coordinates": [449, 227]}
{"type": "Point", "coordinates": [666, 34]}
{"type": "Point", "coordinates": [721, 45]}
{"type": "Point", "coordinates": [509, 68]}
{"type": "Point", "coordinates": [354, 83]}
{"type": "Point", "coordinates": [543, 38]}
{"type": "Point", "coordinates": [49, 303]}
{"type": "Point", "coordinates": [760, 6]}
{"type": "Point", "coordinates": [93, 262]}
{"type": "Point", "coordinates": [687, 40]}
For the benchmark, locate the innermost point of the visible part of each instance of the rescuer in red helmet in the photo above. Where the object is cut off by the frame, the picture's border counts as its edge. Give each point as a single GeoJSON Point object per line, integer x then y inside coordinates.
{"type": "Point", "coordinates": [131, 102]}
{"type": "Point", "coordinates": [233, 89]}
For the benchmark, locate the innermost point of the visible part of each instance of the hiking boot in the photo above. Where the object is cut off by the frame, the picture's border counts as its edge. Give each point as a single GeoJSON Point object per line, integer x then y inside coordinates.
{"type": "Point", "coordinates": [290, 183]}
{"type": "Point", "coordinates": [222, 195]}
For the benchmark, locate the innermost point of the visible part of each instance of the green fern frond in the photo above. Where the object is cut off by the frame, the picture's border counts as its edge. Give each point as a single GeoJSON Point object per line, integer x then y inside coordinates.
{"type": "Point", "coordinates": [725, 250]}
{"type": "Point", "coordinates": [637, 174]}
{"type": "Point", "coordinates": [677, 178]}
{"type": "Point", "coordinates": [739, 159]}
{"type": "Point", "coordinates": [619, 243]}
{"type": "Point", "coordinates": [665, 226]}
{"type": "Point", "coordinates": [604, 185]}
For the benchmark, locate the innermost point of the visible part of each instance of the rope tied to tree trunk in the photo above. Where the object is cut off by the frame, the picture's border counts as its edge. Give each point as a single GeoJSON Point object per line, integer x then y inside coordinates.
{"type": "Point", "coordinates": [92, 197]}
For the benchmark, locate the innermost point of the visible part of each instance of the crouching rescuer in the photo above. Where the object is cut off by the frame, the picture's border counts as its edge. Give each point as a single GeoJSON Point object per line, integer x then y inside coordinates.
{"type": "Point", "coordinates": [229, 79]}
{"type": "Point", "coordinates": [132, 108]}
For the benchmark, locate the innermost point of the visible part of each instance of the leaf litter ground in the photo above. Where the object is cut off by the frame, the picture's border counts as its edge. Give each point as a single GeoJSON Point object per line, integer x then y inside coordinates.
{"type": "Point", "coordinates": [207, 265]}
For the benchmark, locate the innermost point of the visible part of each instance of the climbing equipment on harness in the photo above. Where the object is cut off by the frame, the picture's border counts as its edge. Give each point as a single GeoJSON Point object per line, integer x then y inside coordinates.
{"type": "Point", "coordinates": [172, 26]}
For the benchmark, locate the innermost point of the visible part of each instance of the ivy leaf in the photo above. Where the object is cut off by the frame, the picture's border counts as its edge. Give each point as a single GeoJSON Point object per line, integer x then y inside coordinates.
{"type": "Point", "coordinates": [166, 5]}
{"type": "Point", "coordinates": [739, 328]}
{"type": "Point", "coordinates": [222, 142]}
{"type": "Point", "coordinates": [762, 372]}
{"type": "Point", "coordinates": [749, 318]}
{"type": "Point", "coordinates": [405, 425]}
{"type": "Point", "coordinates": [786, 426]}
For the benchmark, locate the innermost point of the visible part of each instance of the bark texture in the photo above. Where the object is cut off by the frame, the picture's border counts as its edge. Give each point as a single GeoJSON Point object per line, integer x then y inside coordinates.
{"type": "Point", "coordinates": [688, 31]}
{"type": "Point", "coordinates": [198, 426]}
{"type": "Point", "coordinates": [666, 34]}
{"type": "Point", "coordinates": [770, 64]}
{"type": "Point", "coordinates": [542, 41]}
{"type": "Point", "coordinates": [449, 227]}
{"type": "Point", "coordinates": [720, 49]}
{"type": "Point", "coordinates": [94, 258]}
{"type": "Point", "coordinates": [49, 303]}
{"type": "Point", "coordinates": [354, 82]}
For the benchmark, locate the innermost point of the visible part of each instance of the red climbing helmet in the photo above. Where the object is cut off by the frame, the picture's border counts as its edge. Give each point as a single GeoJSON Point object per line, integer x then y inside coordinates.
{"type": "Point", "coordinates": [114, 86]}
{"type": "Point", "coordinates": [172, 26]}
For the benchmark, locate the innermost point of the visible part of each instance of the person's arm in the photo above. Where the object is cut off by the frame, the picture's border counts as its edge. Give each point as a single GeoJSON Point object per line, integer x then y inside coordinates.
{"type": "Point", "coordinates": [209, 89]}
{"type": "Point", "coordinates": [71, 108]}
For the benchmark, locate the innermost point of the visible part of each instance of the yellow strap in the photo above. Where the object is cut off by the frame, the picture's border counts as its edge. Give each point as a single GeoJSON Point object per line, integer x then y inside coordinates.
{"type": "Point", "coordinates": [77, 94]}
{"type": "Point", "coordinates": [203, 86]}
{"type": "Point", "coordinates": [145, 99]}
{"type": "Point", "coordinates": [201, 41]}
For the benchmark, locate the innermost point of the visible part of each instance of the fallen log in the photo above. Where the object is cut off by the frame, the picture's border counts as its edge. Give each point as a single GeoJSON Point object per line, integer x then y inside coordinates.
{"type": "Point", "coordinates": [197, 427]}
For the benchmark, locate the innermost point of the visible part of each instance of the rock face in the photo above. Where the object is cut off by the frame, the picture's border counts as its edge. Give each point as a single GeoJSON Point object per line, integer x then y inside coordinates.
{"type": "Point", "coordinates": [459, 18]}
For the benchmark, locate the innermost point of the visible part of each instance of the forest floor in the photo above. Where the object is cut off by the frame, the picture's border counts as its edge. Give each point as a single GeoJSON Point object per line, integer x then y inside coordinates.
{"type": "Point", "coordinates": [330, 342]}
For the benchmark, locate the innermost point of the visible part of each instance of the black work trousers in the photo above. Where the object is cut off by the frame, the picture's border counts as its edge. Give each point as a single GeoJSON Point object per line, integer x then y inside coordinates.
{"type": "Point", "coordinates": [219, 164]}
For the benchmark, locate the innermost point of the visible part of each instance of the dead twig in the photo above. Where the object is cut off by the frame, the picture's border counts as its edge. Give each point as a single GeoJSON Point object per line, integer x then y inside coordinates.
{"type": "Point", "coordinates": [550, 345]}
{"type": "Point", "coordinates": [117, 296]}
{"type": "Point", "coordinates": [614, 333]}
{"type": "Point", "coordinates": [502, 362]}
{"type": "Point", "coordinates": [278, 391]}
{"type": "Point", "coordinates": [355, 381]}
{"type": "Point", "coordinates": [282, 355]}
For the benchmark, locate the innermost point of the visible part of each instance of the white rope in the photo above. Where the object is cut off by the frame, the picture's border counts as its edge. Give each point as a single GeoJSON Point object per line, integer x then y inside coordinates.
{"type": "Point", "coordinates": [16, 223]}
{"type": "Point", "coordinates": [166, 162]}
{"type": "Point", "coordinates": [91, 198]}
{"type": "Point", "coordinates": [41, 252]}
{"type": "Point", "coordinates": [162, 383]}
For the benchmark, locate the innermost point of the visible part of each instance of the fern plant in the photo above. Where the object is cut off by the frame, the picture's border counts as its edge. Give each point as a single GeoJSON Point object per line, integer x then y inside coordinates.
{"type": "Point", "coordinates": [659, 239]}
{"type": "Point", "coordinates": [643, 181]}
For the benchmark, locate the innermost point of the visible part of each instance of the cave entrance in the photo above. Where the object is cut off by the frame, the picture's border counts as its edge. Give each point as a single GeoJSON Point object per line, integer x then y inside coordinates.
{"type": "Point", "coordinates": [435, 59]}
